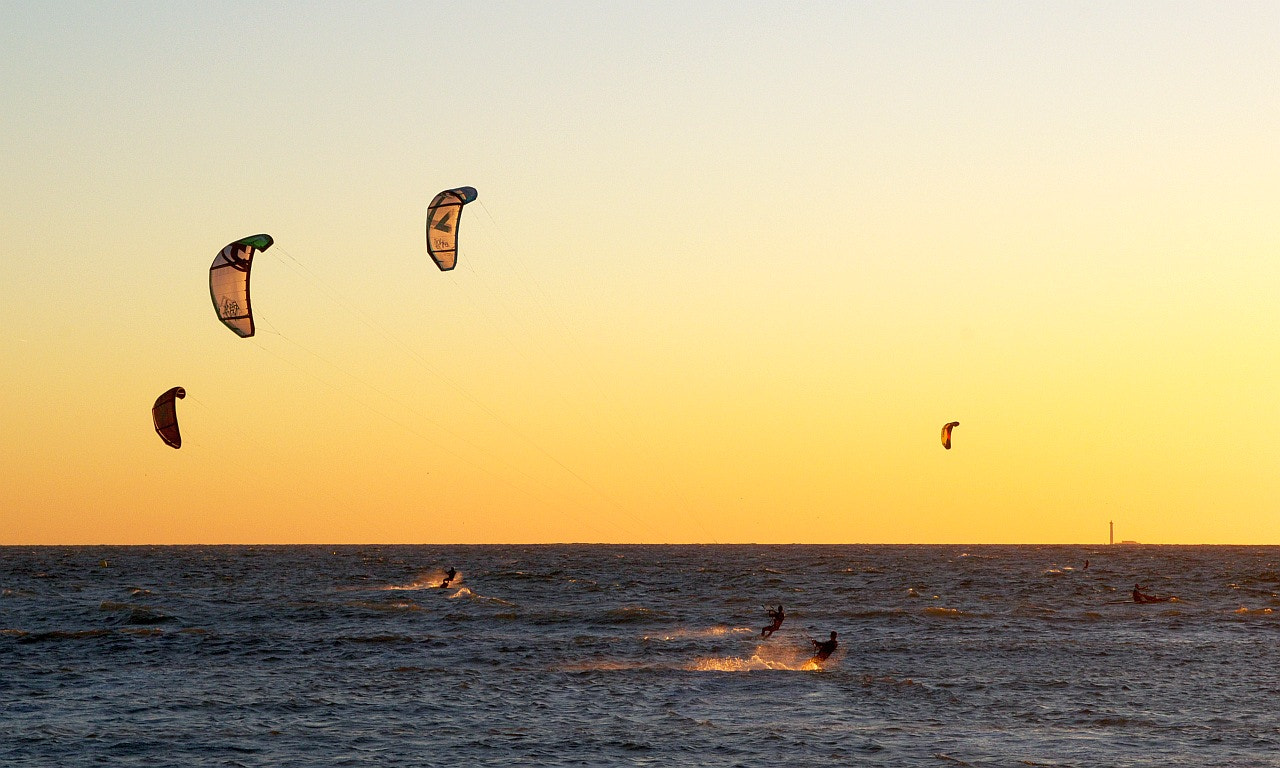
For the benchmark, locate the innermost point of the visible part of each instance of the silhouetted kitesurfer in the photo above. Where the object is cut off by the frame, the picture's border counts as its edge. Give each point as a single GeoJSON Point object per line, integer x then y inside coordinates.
{"type": "Point", "coordinates": [823, 650]}
{"type": "Point", "coordinates": [777, 616]}
{"type": "Point", "coordinates": [1141, 597]}
{"type": "Point", "coordinates": [448, 577]}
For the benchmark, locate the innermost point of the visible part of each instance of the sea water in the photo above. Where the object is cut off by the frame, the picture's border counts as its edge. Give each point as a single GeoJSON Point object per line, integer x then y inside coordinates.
{"type": "Point", "coordinates": [638, 655]}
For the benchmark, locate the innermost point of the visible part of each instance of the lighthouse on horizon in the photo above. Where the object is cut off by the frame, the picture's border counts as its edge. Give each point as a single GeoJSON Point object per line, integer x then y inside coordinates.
{"type": "Point", "coordinates": [1113, 531]}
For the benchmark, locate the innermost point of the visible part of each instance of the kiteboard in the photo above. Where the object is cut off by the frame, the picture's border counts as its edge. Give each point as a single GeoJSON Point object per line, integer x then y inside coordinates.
{"type": "Point", "coordinates": [1146, 601]}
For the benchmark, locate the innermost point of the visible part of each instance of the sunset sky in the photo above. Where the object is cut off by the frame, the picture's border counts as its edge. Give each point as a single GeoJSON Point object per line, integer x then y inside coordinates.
{"type": "Point", "coordinates": [732, 267]}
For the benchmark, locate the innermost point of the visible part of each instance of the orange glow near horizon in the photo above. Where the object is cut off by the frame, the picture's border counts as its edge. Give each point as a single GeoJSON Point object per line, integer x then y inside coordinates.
{"type": "Point", "coordinates": [706, 294]}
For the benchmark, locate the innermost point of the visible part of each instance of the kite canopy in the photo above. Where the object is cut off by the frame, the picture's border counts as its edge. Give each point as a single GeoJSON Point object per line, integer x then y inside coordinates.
{"type": "Point", "coordinates": [229, 282]}
{"type": "Point", "coordinates": [164, 414]}
{"type": "Point", "coordinates": [946, 433]}
{"type": "Point", "coordinates": [443, 217]}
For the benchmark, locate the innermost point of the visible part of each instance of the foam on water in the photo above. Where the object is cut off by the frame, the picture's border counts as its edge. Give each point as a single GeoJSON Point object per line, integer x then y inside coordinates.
{"type": "Point", "coordinates": [766, 656]}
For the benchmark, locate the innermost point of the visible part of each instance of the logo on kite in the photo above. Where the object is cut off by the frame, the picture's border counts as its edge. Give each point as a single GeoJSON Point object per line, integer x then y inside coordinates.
{"type": "Point", "coordinates": [443, 225]}
{"type": "Point", "coordinates": [164, 414]}
{"type": "Point", "coordinates": [946, 433]}
{"type": "Point", "coordinates": [229, 282]}
{"type": "Point", "coordinates": [444, 214]}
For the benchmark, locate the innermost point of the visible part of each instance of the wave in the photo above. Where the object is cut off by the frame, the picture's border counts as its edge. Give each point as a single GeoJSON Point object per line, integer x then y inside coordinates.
{"type": "Point", "coordinates": [900, 682]}
{"type": "Point", "coordinates": [602, 665]}
{"type": "Point", "coordinates": [1031, 610]}
{"type": "Point", "coordinates": [682, 633]}
{"type": "Point", "coordinates": [633, 614]}
{"type": "Point", "coordinates": [378, 639]}
{"type": "Point", "coordinates": [465, 592]}
{"type": "Point", "coordinates": [136, 614]}
{"type": "Point", "coordinates": [395, 607]}
{"type": "Point", "coordinates": [1264, 591]}
{"type": "Point", "coordinates": [876, 613]}
{"type": "Point", "coordinates": [1056, 571]}
{"type": "Point", "coordinates": [1118, 721]}
{"type": "Point", "coordinates": [61, 634]}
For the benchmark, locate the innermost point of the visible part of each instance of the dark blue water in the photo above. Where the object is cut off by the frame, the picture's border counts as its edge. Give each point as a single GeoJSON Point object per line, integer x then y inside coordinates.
{"type": "Point", "coordinates": [631, 655]}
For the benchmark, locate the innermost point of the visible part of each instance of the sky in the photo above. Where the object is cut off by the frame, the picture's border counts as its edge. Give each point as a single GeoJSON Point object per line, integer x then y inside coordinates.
{"type": "Point", "coordinates": [732, 267]}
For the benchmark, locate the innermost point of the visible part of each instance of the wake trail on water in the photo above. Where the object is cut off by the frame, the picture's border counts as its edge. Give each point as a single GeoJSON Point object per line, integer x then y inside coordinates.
{"type": "Point", "coordinates": [683, 633]}
{"type": "Point", "coordinates": [432, 579]}
{"type": "Point", "coordinates": [797, 662]}
{"type": "Point", "coordinates": [765, 656]}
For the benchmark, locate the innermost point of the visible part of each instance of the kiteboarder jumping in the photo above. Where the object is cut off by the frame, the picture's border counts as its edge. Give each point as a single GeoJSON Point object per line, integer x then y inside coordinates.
{"type": "Point", "coordinates": [777, 616]}
{"type": "Point", "coordinates": [448, 577]}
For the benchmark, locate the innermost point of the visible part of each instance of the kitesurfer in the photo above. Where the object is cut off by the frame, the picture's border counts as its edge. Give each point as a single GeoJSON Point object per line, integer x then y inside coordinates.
{"type": "Point", "coordinates": [777, 616]}
{"type": "Point", "coordinates": [448, 577]}
{"type": "Point", "coordinates": [823, 650]}
{"type": "Point", "coordinates": [1141, 597]}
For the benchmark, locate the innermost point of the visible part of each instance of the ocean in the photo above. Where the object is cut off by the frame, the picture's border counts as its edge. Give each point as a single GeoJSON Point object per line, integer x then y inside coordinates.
{"type": "Point", "coordinates": [594, 655]}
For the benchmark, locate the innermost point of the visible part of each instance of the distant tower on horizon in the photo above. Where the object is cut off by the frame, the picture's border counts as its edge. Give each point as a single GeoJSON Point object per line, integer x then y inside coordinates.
{"type": "Point", "coordinates": [1113, 531]}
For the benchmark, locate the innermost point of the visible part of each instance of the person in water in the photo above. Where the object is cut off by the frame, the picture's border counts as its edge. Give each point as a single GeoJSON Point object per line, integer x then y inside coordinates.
{"type": "Point", "coordinates": [822, 651]}
{"type": "Point", "coordinates": [1141, 597]}
{"type": "Point", "coordinates": [777, 617]}
{"type": "Point", "coordinates": [448, 577]}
